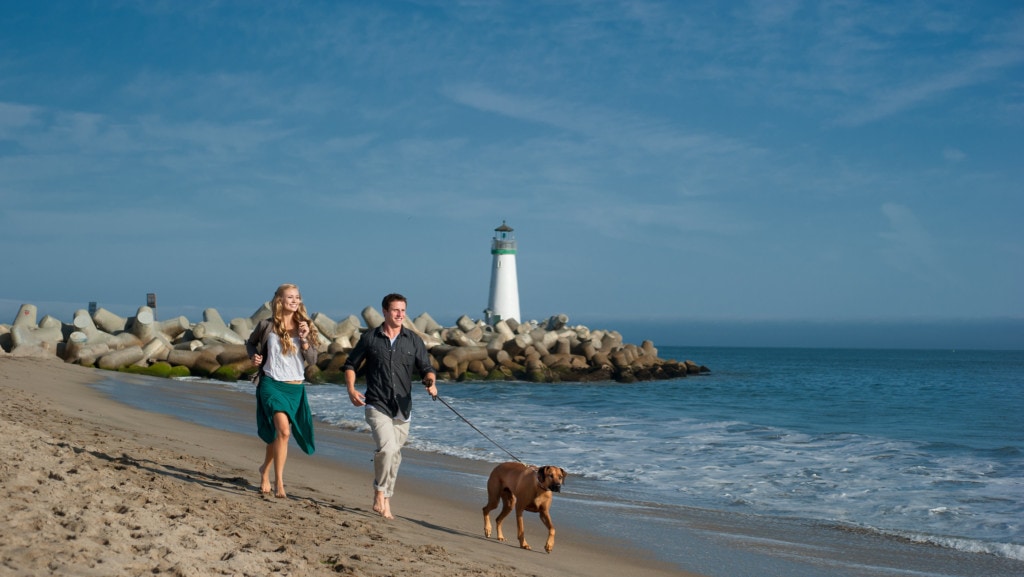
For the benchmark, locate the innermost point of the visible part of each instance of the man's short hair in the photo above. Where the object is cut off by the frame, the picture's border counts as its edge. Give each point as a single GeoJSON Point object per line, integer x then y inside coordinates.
{"type": "Point", "coordinates": [386, 303]}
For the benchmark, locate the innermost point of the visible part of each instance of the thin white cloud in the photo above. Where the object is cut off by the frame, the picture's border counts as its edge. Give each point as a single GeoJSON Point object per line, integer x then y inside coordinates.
{"type": "Point", "coordinates": [978, 69]}
{"type": "Point", "coordinates": [622, 129]}
{"type": "Point", "coordinates": [14, 117]}
{"type": "Point", "coordinates": [772, 13]}
{"type": "Point", "coordinates": [910, 248]}
{"type": "Point", "coordinates": [888, 60]}
{"type": "Point", "coordinates": [953, 154]}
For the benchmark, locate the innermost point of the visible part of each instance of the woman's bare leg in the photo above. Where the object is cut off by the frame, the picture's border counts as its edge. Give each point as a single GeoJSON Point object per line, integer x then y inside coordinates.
{"type": "Point", "coordinates": [265, 469]}
{"type": "Point", "coordinates": [279, 448]}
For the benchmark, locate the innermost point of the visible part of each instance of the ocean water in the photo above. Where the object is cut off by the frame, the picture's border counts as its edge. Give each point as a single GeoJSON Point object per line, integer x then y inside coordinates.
{"type": "Point", "coordinates": [774, 451]}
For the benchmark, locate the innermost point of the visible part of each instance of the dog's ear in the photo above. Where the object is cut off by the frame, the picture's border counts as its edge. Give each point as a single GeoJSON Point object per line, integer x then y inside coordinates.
{"type": "Point", "coordinates": [542, 473]}
{"type": "Point", "coordinates": [564, 473]}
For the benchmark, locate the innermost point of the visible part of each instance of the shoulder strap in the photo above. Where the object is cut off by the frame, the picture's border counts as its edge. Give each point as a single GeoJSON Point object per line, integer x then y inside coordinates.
{"type": "Point", "coordinates": [264, 327]}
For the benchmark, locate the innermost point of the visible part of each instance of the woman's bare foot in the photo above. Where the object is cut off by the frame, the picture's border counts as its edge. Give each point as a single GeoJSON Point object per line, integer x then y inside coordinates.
{"type": "Point", "coordinates": [264, 480]}
{"type": "Point", "coordinates": [280, 494]}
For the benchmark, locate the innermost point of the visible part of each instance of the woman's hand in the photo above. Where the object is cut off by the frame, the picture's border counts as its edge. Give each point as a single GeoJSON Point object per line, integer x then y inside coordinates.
{"type": "Point", "coordinates": [303, 330]}
{"type": "Point", "coordinates": [257, 360]}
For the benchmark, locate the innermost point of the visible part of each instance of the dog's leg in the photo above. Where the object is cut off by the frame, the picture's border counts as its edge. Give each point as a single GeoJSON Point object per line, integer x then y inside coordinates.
{"type": "Point", "coordinates": [495, 493]}
{"type": "Point", "coordinates": [545, 517]}
{"type": "Point", "coordinates": [487, 523]}
{"type": "Point", "coordinates": [507, 502]}
{"type": "Point", "coordinates": [492, 504]}
{"type": "Point", "coordinates": [522, 528]}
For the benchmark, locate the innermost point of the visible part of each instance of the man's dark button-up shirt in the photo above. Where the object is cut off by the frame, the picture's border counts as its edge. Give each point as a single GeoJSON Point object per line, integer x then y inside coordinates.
{"type": "Point", "coordinates": [389, 368]}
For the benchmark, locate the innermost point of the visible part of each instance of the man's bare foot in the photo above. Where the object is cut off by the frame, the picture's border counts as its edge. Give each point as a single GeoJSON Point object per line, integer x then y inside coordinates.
{"type": "Point", "coordinates": [382, 505]}
{"type": "Point", "coordinates": [264, 480]}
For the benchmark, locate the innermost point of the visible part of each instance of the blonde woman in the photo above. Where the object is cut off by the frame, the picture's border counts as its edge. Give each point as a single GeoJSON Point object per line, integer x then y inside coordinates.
{"type": "Point", "coordinates": [282, 347]}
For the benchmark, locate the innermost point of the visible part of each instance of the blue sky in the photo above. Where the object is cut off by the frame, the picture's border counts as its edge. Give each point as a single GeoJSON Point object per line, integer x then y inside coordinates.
{"type": "Point", "coordinates": [684, 166]}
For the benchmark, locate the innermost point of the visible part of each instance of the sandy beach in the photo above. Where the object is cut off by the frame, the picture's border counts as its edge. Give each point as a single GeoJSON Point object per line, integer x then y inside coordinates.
{"type": "Point", "coordinates": [94, 487]}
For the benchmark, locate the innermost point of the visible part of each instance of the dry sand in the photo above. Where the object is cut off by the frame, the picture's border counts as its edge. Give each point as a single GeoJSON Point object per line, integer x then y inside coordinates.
{"type": "Point", "coordinates": [94, 487]}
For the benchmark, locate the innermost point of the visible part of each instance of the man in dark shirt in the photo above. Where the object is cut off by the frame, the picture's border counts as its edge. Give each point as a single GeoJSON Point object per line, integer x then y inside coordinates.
{"type": "Point", "coordinates": [391, 353]}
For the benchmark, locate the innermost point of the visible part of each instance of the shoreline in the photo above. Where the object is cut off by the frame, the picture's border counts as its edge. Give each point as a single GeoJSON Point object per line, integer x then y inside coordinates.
{"type": "Point", "coordinates": [96, 487]}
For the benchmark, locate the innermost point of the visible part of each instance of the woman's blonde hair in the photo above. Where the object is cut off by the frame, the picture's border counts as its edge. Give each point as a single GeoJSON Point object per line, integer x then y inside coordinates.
{"type": "Point", "coordinates": [277, 305]}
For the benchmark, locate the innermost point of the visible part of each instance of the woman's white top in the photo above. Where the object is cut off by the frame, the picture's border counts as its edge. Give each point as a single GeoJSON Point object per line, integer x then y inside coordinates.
{"type": "Point", "coordinates": [281, 367]}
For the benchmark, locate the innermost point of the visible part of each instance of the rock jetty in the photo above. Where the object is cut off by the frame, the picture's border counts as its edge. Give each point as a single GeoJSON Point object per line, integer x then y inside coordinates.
{"type": "Point", "coordinates": [546, 351]}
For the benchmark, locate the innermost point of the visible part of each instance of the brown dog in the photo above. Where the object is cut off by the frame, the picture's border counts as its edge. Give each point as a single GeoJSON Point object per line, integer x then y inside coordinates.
{"type": "Point", "coordinates": [527, 489]}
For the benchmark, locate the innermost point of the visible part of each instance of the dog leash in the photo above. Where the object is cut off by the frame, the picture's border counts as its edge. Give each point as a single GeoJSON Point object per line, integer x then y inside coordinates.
{"type": "Point", "coordinates": [438, 398]}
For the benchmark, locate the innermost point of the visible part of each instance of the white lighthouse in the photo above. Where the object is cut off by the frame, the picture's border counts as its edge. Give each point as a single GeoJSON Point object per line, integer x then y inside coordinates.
{"type": "Point", "coordinates": [503, 303]}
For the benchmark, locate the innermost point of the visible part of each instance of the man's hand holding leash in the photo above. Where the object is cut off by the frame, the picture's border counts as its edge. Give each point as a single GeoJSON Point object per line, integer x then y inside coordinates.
{"type": "Point", "coordinates": [430, 381]}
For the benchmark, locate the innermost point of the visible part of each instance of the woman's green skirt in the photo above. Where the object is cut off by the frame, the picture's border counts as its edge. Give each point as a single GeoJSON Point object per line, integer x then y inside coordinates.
{"type": "Point", "coordinates": [277, 397]}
